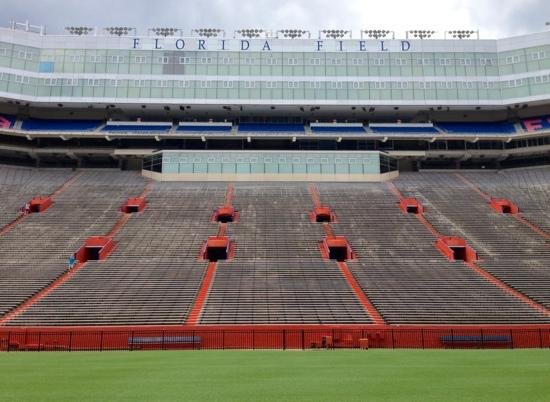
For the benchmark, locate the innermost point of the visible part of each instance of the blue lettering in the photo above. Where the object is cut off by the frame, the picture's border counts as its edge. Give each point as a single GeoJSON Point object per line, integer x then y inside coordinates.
{"type": "Point", "coordinates": [136, 43]}
{"type": "Point", "coordinates": [319, 45]}
{"type": "Point", "coordinates": [341, 45]}
{"type": "Point", "coordinates": [243, 42]}
{"type": "Point", "coordinates": [383, 49]}
{"type": "Point", "coordinates": [157, 44]}
{"type": "Point", "coordinates": [362, 45]}
{"type": "Point", "coordinates": [223, 44]}
{"type": "Point", "coordinates": [201, 44]}
{"type": "Point", "coordinates": [180, 44]}
{"type": "Point", "coordinates": [405, 45]}
{"type": "Point", "coordinates": [266, 46]}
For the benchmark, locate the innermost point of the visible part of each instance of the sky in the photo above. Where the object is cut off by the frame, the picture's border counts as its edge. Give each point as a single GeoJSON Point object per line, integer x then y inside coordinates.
{"type": "Point", "coordinates": [494, 18]}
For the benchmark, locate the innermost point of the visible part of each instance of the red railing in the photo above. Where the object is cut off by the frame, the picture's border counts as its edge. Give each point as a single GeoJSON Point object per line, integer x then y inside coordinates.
{"type": "Point", "coordinates": [292, 337]}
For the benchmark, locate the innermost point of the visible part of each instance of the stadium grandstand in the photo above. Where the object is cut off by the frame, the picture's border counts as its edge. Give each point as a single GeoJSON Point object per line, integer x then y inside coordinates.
{"type": "Point", "coordinates": [273, 189]}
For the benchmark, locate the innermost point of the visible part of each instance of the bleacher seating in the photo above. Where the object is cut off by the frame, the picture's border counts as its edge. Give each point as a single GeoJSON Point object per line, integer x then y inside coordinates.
{"type": "Point", "coordinates": [277, 275]}
{"type": "Point", "coordinates": [403, 129]}
{"type": "Point", "coordinates": [271, 128]}
{"type": "Point", "coordinates": [337, 130]}
{"type": "Point", "coordinates": [59, 125]}
{"type": "Point", "coordinates": [137, 127]}
{"type": "Point", "coordinates": [477, 128]}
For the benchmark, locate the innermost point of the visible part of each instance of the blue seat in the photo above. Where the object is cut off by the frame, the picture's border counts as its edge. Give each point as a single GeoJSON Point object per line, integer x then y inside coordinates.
{"type": "Point", "coordinates": [398, 129]}
{"type": "Point", "coordinates": [60, 125]}
{"type": "Point", "coordinates": [338, 129]}
{"type": "Point", "coordinates": [478, 128]}
{"type": "Point", "coordinates": [137, 128]}
{"type": "Point", "coordinates": [203, 128]}
{"type": "Point", "coordinates": [271, 127]}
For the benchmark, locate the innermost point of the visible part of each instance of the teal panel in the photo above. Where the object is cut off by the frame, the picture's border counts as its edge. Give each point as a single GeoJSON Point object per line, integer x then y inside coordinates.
{"type": "Point", "coordinates": [356, 169]}
{"type": "Point", "coordinates": [299, 168]}
{"type": "Point", "coordinates": [314, 169]}
{"type": "Point", "coordinates": [200, 168]}
{"type": "Point", "coordinates": [327, 169]}
{"type": "Point", "coordinates": [271, 168]}
{"type": "Point", "coordinates": [285, 168]}
{"type": "Point", "coordinates": [186, 168]}
{"type": "Point", "coordinates": [341, 169]}
{"type": "Point", "coordinates": [243, 168]}
{"type": "Point", "coordinates": [170, 168]}
{"type": "Point", "coordinates": [214, 168]}
{"type": "Point", "coordinates": [228, 168]}
{"type": "Point", "coordinates": [256, 168]}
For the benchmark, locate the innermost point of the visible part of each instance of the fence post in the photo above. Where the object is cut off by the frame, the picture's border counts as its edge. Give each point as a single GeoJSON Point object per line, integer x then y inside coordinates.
{"type": "Point", "coordinates": [303, 341]}
{"type": "Point", "coordinates": [132, 341]}
{"type": "Point", "coordinates": [453, 338]}
{"type": "Point", "coordinates": [422, 333]}
{"type": "Point", "coordinates": [223, 339]}
{"type": "Point", "coordinates": [392, 340]}
{"type": "Point", "coordinates": [253, 340]}
{"type": "Point", "coordinates": [193, 339]}
{"type": "Point", "coordinates": [540, 337]}
{"type": "Point", "coordinates": [163, 346]}
{"type": "Point", "coordinates": [284, 339]}
{"type": "Point", "coordinates": [70, 341]}
{"type": "Point", "coordinates": [511, 339]}
{"type": "Point", "coordinates": [101, 341]}
{"type": "Point", "coordinates": [482, 340]}
{"type": "Point", "coordinates": [8, 345]}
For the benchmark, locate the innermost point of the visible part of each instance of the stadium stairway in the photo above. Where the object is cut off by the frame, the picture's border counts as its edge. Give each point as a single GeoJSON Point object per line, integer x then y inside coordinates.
{"type": "Point", "coordinates": [508, 250]}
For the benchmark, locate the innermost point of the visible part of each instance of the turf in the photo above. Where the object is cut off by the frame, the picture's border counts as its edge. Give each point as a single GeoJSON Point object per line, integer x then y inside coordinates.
{"type": "Point", "coordinates": [343, 375]}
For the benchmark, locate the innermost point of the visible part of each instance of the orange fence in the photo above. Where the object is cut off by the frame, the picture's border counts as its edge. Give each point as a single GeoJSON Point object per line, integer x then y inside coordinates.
{"type": "Point", "coordinates": [292, 337]}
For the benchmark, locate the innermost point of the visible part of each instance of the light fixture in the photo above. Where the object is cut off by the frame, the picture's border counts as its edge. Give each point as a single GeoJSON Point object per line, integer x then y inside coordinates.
{"type": "Point", "coordinates": [335, 33]}
{"type": "Point", "coordinates": [461, 33]}
{"type": "Point", "coordinates": [162, 31]}
{"type": "Point", "coordinates": [119, 31]}
{"type": "Point", "coordinates": [207, 32]}
{"type": "Point", "coordinates": [376, 33]}
{"type": "Point", "coordinates": [420, 33]}
{"type": "Point", "coordinates": [79, 30]}
{"type": "Point", "coordinates": [293, 33]}
{"type": "Point", "coordinates": [250, 33]}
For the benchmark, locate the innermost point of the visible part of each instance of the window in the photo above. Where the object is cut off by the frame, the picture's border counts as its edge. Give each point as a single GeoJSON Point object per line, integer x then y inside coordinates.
{"type": "Point", "coordinates": [76, 59]}
{"type": "Point", "coordinates": [358, 62]}
{"type": "Point", "coordinates": [400, 62]}
{"type": "Point", "coordinates": [315, 62]}
{"type": "Point", "coordinates": [95, 59]}
{"type": "Point", "coordinates": [400, 85]}
{"type": "Point", "coordinates": [114, 83]}
{"type": "Point", "coordinates": [445, 85]}
{"type": "Point", "coordinates": [139, 83]}
{"type": "Point", "coordinates": [226, 60]}
{"type": "Point", "coordinates": [3, 51]}
{"type": "Point", "coordinates": [337, 85]}
{"type": "Point", "coordinates": [181, 84]}
{"type": "Point", "coordinates": [22, 80]}
{"type": "Point", "coordinates": [270, 84]}
{"type": "Point", "coordinates": [21, 54]}
{"type": "Point", "coordinates": [163, 59]}
{"type": "Point", "coordinates": [488, 85]}
{"type": "Point", "coordinates": [379, 62]}
{"type": "Point", "coordinates": [249, 84]}
{"type": "Point", "coordinates": [512, 59]}
{"type": "Point", "coordinates": [140, 59]}
{"type": "Point", "coordinates": [227, 84]}
{"type": "Point", "coordinates": [117, 59]}
{"type": "Point", "coordinates": [314, 85]}
{"type": "Point", "coordinates": [425, 85]}
{"type": "Point", "coordinates": [335, 62]}
{"type": "Point", "coordinates": [90, 82]}
{"type": "Point", "coordinates": [487, 62]}
{"type": "Point", "coordinates": [464, 62]}
{"type": "Point", "coordinates": [543, 79]}
{"type": "Point", "coordinates": [379, 85]}
{"type": "Point", "coordinates": [271, 61]}
{"type": "Point", "coordinates": [424, 62]}
{"type": "Point", "coordinates": [206, 84]}
{"type": "Point", "coordinates": [248, 60]}
{"type": "Point", "coordinates": [71, 82]}
{"type": "Point", "coordinates": [358, 85]}
{"type": "Point", "coordinates": [538, 55]}
{"type": "Point", "coordinates": [292, 61]}
{"type": "Point", "coordinates": [185, 60]}
{"type": "Point", "coordinates": [293, 84]}
{"type": "Point", "coordinates": [49, 82]}
{"type": "Point", "coordinates": [206, 60]}
{"type": "Point", "coordinates": [467, 85]}
{"type": "Point", "coordinates": [161, 84]}
{"type": "Point", "coordinates": [445, 62]}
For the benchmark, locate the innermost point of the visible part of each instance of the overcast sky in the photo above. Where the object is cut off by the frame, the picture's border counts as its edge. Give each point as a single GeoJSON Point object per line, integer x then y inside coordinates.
{"type": "Point", "coordinates": [494, 18]}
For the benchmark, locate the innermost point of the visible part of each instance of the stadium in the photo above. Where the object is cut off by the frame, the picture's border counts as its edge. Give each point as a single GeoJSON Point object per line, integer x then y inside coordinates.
{"type": "Point", "coordinates": [274, 190]}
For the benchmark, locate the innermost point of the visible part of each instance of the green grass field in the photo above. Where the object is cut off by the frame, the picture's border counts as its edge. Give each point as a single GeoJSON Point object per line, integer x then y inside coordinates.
{"type": "Point", "coordinates": [340, 375]}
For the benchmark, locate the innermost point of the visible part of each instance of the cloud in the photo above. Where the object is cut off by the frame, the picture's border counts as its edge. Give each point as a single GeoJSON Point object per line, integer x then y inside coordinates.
{"type": "Point", "coordinates": [495, 18]}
